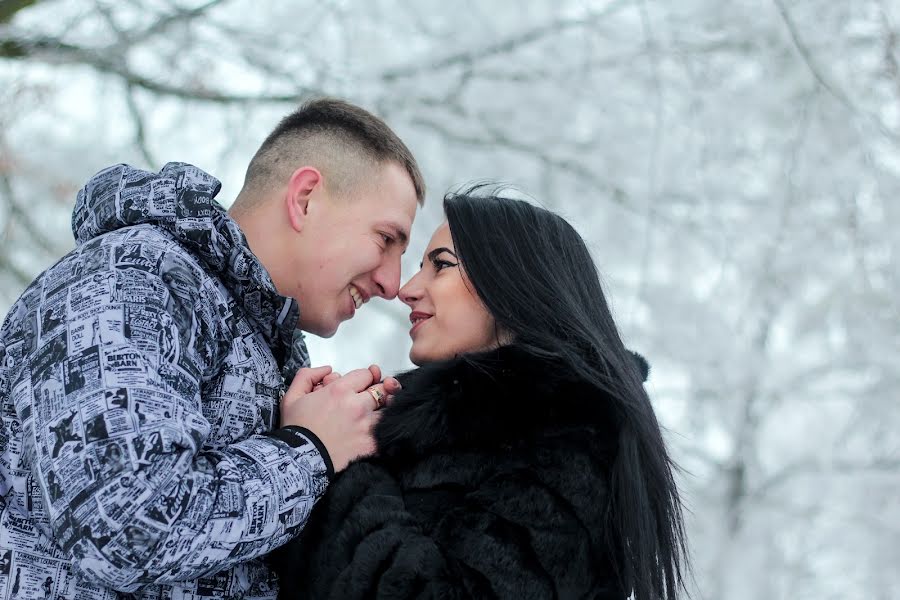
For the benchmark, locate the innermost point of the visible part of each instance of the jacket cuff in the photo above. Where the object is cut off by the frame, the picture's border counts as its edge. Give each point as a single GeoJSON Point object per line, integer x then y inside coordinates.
{"type": "Point", "coordinates": [296, 436]}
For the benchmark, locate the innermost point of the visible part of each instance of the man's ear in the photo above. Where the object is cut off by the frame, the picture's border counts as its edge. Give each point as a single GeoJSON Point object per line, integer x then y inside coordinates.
{"type": "Point", "coordinates": [301, 186]}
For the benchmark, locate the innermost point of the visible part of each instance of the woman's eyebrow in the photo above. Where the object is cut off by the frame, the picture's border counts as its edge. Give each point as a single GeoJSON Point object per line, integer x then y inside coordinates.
{"type": "Point", "coordinates": [434, 254]}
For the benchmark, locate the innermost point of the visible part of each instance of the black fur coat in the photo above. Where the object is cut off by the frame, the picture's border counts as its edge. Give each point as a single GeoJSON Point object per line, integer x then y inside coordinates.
{"type": "Point", "coordinates": [492, 481]}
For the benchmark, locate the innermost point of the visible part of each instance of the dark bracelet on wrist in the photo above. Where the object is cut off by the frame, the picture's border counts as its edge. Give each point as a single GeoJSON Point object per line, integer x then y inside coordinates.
{"type": "Point", "coordinates": [296, 436]}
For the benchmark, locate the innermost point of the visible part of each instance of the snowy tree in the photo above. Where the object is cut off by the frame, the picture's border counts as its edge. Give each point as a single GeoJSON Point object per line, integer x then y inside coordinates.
{"type": "Point", "coordinates": [734, 166]}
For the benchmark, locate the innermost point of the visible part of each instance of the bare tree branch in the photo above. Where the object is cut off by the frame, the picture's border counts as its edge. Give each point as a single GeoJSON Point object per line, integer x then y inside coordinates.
{"type": "Point", "coordinates": [9, 8]}
{"type": "Point", "coordinates": [818, 467]}
{"type": "Point", "coordinates": [140, 135]}
{"type": "Point", "coordinates": [819, 75]}
{"type": "Point", "coordinates": [55, 51]}
{"type": "Point", "coordinates": [24, 221]}
{"type": "Point", "coordinates": [769, 297]}
{"type": "Point", "coordinates": [891, 66]}
{"type": "Point", "coordinates": [21, 277]}
{"type": "Point", "coordinates": [499, 139]}
{"type": "Point", "coordinates": [178, 17]}
{"type": "Point", "coordinates": [507, 46]}
{"type": "Point", "coordinates": [807, 57]}
{"type": "Point", "coordinates": [657, 141]}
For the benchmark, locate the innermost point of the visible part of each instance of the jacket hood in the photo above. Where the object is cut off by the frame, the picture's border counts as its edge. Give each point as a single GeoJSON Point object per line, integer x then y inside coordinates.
{"type": "Point", "coordinates": [180, 200]}
{"type": "Point", "coordinates": [490, 400]}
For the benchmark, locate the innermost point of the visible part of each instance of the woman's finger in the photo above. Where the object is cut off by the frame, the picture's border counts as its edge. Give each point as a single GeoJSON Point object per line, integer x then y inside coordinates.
{"type": "Point", "coordinates": [375, 396]}
{"type": "Point", "coordinates": [392, 386]}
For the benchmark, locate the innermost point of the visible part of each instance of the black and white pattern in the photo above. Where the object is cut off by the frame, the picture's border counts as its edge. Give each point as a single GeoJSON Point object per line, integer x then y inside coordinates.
{"type": "Point", "coordinates": [138, 377]}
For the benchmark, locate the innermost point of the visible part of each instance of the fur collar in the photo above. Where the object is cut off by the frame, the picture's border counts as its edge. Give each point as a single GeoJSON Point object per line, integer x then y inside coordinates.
{"type": "Point", "coordinates": [488, 401]}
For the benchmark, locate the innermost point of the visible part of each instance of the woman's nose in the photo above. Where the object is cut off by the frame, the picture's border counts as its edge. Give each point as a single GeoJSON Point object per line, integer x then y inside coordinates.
{"type": "Point", "coordinates": [411, 292]}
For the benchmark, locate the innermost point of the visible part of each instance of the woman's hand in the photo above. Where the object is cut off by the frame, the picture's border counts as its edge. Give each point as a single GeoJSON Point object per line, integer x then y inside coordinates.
{"type": "Point", "coordinates": [340, 410]}
{"type": "Point", "coordinates": [389, 386]}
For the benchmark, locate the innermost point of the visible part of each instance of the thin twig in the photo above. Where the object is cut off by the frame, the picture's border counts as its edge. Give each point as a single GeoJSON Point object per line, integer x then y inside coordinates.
{"type": "Point", "coordinates": [140, 136]}
{"type": "Point", "coordinates": [822, 79]}
{"type": "Point", "coordinates": [500, 48]}
{"type": "Point", "coordinates": [55, 51]}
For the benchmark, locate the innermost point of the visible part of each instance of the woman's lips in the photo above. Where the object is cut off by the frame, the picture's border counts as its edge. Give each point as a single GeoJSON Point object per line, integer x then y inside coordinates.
{"type": "Point", "coordinates": [417, 318]}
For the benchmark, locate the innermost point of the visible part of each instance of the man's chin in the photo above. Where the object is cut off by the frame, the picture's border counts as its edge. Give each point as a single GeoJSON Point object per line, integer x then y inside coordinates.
{"type": "Point", "coordinates": [322, 330]}
{"type": "Point", "coordinates": [326, 332]}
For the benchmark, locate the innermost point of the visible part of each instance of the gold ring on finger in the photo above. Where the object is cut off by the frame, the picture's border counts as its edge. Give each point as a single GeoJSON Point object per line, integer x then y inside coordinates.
{"type": "Point", "coordinates": [378, 396]}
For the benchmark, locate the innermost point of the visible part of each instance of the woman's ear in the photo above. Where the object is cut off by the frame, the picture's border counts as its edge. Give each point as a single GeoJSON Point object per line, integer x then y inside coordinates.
{"type": "Point", "coordinates": [301, 186]}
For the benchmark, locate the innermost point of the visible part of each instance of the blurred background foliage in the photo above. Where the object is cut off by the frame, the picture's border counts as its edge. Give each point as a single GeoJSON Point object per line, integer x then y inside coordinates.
{"type": "Point", "coordinates": [734, 166]}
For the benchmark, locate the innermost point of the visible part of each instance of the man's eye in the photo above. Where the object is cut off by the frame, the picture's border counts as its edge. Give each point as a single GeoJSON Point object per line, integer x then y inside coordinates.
{"type": "Point", "coordinates": [387, 239]}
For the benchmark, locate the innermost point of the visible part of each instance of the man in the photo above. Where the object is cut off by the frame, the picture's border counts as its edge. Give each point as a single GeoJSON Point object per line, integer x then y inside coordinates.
{"type": "Point", "coordinates": [141, 452]}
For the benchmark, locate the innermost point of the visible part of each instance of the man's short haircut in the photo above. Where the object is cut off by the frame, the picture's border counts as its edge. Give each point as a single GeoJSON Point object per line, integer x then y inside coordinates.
{"type": "Point", "coordinates": [345, 142]}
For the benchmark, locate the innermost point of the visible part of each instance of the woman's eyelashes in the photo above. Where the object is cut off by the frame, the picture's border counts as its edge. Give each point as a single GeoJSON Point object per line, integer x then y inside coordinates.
{"type": "Point", "coordinates": [440, 264]}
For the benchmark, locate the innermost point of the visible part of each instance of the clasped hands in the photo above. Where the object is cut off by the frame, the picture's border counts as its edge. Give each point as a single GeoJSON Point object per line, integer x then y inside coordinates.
{"type": "Point", "coordinates": [341, 410]}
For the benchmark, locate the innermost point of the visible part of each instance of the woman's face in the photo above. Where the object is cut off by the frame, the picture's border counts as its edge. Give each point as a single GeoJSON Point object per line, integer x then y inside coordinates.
{"type": "Point", "coordinates": [447, 317]}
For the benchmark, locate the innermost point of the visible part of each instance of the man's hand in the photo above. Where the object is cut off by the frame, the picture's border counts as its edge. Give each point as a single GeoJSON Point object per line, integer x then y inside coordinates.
{"type": "Point", "coordinates": [340, 410]}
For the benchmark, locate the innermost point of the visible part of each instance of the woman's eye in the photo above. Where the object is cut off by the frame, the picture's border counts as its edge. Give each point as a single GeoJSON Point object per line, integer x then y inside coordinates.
{"type": "Point", "coordinates": [442, 264]}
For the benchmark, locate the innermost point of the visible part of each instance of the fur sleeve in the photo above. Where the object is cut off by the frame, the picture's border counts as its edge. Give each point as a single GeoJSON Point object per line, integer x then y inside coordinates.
{"type": "Point", "coordinates": [515, 537]}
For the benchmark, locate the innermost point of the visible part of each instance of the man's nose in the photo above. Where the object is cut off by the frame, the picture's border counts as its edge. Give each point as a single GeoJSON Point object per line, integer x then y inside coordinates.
{"type": "Point", "coordinates": [387, 280]}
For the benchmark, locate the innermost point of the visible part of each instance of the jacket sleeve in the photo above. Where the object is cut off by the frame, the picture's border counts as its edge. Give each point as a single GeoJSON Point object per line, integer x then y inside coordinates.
{"type": "Point", "coordinates": [112, 410]}
{"type": "Point", "coordinates": [512, 538]}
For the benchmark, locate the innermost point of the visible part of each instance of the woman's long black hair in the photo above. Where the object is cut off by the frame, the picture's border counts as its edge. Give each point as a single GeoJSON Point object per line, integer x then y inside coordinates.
{"type": "Point", "coordinates": [536, 276]}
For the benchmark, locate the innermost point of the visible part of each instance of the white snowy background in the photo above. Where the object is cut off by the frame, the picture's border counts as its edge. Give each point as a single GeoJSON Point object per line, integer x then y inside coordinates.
{"type": "Point", "coordinates": [734, 166]}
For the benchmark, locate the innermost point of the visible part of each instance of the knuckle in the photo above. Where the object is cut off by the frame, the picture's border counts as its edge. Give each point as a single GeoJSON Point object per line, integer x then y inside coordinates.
{"type": "Point", "coordinates": [360, 410]}
{"type": "Point", "coordinates": [340, 388]}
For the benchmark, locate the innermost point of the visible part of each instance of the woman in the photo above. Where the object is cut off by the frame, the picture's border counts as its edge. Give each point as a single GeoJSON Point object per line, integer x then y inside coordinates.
{"type": "Point", "coordinates": [523, 458]}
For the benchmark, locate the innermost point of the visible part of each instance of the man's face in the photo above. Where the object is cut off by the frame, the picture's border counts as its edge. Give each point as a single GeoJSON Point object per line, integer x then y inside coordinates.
{"type": "Point", "coordinates": [349, 250]}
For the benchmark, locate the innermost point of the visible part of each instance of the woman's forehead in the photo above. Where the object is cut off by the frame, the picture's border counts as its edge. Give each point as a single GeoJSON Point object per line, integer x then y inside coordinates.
{"type": "Point", "coordinates": [440, 237]}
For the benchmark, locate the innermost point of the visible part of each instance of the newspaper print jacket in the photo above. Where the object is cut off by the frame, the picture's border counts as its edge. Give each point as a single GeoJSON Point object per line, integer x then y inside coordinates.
{"type": "Point", "coordinates": [138, 378]}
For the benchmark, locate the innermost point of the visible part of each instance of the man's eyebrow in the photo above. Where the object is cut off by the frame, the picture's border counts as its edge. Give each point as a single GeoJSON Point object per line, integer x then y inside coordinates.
{"type": "Point", "coordinates": [398, 231]}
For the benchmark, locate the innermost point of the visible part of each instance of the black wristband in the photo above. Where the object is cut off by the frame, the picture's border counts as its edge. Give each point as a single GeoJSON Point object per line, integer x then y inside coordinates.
{"type": "Point", "coordinates": [296, 436]}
